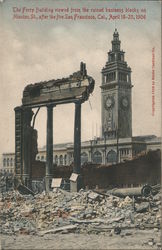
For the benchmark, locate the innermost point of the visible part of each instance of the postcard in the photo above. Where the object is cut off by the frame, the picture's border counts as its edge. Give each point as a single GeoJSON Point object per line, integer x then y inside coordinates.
{"type": "Point", "coordinates": [80, 124]}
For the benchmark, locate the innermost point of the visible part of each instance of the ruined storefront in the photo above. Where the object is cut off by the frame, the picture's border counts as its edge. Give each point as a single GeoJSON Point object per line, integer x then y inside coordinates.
{"type": "Point", "coordinates": [74, 89]}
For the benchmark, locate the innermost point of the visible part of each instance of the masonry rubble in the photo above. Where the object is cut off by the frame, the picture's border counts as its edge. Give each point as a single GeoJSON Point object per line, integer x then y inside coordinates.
{"type": "Point", "coordinates": [83, 212]}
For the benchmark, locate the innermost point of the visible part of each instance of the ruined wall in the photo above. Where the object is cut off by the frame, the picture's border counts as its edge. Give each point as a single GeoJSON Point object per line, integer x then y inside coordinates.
{"type": "Point", "coordinates": [38, 170]}
{"type": "Point", "coordinates": [145, 169]}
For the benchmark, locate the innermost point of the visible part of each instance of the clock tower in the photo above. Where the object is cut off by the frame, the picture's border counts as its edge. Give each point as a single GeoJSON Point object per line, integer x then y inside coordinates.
{"type": "Point", "coordinates": [116, 94]}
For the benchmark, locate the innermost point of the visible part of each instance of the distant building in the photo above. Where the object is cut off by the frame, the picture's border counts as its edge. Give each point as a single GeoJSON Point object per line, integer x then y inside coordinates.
{"type": "Point", "coordinates": [96, 151]}
{"type": "Point", "coordinates": [116, 144]}
{"type": "Point", "coordinates": [8, 163]}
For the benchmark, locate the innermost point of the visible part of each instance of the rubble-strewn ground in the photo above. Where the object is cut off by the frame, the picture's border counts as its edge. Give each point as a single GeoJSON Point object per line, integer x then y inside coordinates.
{"type": "Point", "coordinates": [83, 220]}
{"type": "Point", "coordinates": [138, 240]}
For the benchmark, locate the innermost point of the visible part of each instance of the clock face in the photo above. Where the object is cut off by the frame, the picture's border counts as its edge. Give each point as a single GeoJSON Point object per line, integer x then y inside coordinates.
{"type": "Point", "coordinates": [125, 102]}
{"type": "Point", "coordinates": [109, 102]}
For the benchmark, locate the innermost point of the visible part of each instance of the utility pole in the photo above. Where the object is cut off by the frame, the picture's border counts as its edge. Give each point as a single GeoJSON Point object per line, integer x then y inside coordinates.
{"type": "Point", "coordinates": [117, 145]}
{"type": "Point", "coordinates": [105, 146]}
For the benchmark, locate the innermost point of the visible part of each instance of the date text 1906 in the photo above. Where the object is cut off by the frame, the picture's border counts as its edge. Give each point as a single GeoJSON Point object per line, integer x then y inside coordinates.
{"type": "Point", "coordinates": [129, 16]}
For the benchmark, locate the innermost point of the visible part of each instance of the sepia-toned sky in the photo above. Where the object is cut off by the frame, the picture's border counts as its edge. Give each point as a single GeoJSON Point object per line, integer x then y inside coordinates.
{"type": "Point", "coordinates": [33, 51]}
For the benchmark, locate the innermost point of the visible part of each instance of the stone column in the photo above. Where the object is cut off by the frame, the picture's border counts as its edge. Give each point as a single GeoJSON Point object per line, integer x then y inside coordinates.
{"type": "Point", "coordinates": [49, 146]}
{"type": "Point", "coordinates": [103, 156]}
{"type": "Point", "coordinates": [117, 75]}
{"type": "Point", "coordinates": [77, 139]}
{"type": "Point", "coordinates": [18, 142]}
{"type": "Point", "coordinates": [27, 117]}
{"type": "Point", "coordinates": [75, 179]}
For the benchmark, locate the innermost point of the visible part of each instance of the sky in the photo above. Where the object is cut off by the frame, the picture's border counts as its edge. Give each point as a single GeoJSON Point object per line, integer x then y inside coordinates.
{"type": "Point", "coordinates": [33, 51]}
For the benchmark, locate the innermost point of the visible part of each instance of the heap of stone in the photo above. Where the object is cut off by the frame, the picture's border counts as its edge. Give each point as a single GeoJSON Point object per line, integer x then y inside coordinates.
{"type": "Point", "coordinates": [82, 212]}
{"type": "Point", "coordinates": [6, 182]}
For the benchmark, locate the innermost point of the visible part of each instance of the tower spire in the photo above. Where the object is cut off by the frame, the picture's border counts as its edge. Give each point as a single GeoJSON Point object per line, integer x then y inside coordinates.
{"type": "Point", "coordinates": [116, 93]}
{"type": "Point", "coordinates": [115, 42]}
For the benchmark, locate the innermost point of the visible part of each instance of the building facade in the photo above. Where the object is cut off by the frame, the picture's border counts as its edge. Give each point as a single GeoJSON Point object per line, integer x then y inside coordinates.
{"type": "Point", "coordinates": [8, 163]}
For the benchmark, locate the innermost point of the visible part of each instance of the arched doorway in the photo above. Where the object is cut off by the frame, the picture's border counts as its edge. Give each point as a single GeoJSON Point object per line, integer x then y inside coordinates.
{"type": "Point", "coordinates": [97, 157]}
{"type": "Point", "coordinates": [65, 160]}
{"type": "Point", "coordinates": [61, 160]}
{"type": "Point", "coordinates": [111, 157]}
{"type": "Point", "coordinates": [84, 158]}
{"type": "Point", "coordinates": [56, 159]}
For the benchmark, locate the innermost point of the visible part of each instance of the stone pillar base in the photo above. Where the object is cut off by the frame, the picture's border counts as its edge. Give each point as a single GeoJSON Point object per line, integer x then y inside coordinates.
{"type": "Point", "coordinates": [48, 181]}
{"type": "Point", "coordinates": [76, 182]}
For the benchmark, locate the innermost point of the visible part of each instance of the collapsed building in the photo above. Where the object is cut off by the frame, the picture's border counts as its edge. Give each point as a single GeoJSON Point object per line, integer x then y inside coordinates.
{"type": "Point", "coordinates": [74, 89]}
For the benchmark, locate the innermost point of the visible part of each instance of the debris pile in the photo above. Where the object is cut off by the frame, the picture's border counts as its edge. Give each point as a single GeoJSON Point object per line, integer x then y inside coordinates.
{"type": "Point", "coordinates": [82, 212]}
{"type": "Point", "coordinates": [6, 182]}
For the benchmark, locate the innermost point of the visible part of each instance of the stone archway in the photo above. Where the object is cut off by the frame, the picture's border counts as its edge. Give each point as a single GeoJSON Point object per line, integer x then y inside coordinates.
{"type": "Point", "coordinates": [97, 157]}
{"type": "Point", "coordinates": [111, 157]}
{"type": "Point", "coordinates": [65, 160]}
{"type": "Point", "coordinates": [84, 158]}
{"type": "Point", "coordinates": [56, 159]}
{"type": "Point", "coordinates": [61, 161]}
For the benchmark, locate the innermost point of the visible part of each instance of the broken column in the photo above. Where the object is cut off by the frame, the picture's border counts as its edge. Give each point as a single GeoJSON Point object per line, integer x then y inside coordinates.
{"type": "Point", "coordinates": [49, 151]}
{"type": "Point", "coordinates": [18, 141]}
{"type": "Point", "coordinates": [75, 179]}
{"type": "Point", "coordinates": [27, 117]}
{"type": "Point", "coordinates": [77, 138]}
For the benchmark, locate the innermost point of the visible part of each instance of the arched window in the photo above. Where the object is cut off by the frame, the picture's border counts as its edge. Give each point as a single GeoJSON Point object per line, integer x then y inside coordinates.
{"type": "Point", "coordinates": [65, 160]}
{"type": "Point", "coordinates": [111, 157]}
{"type": "Point", "coordinates": [84, 158]}
{"type": "Point", "coordinates": [38, 157]}
{"type": "Point", "coordinates": [61, 160]}
{"type": "Point", "coordinates": [8, 162]}
{"type": "Point", "coordinates": [42, 158]}
{"type": "Point", "coordinates": [4, 162]}
{"type": "Point", "coordinates": [11, 162]}
{"type": "Point", "coordinates": [56, 159]}
{"type": "Point", "coordinates": [97, 157]}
